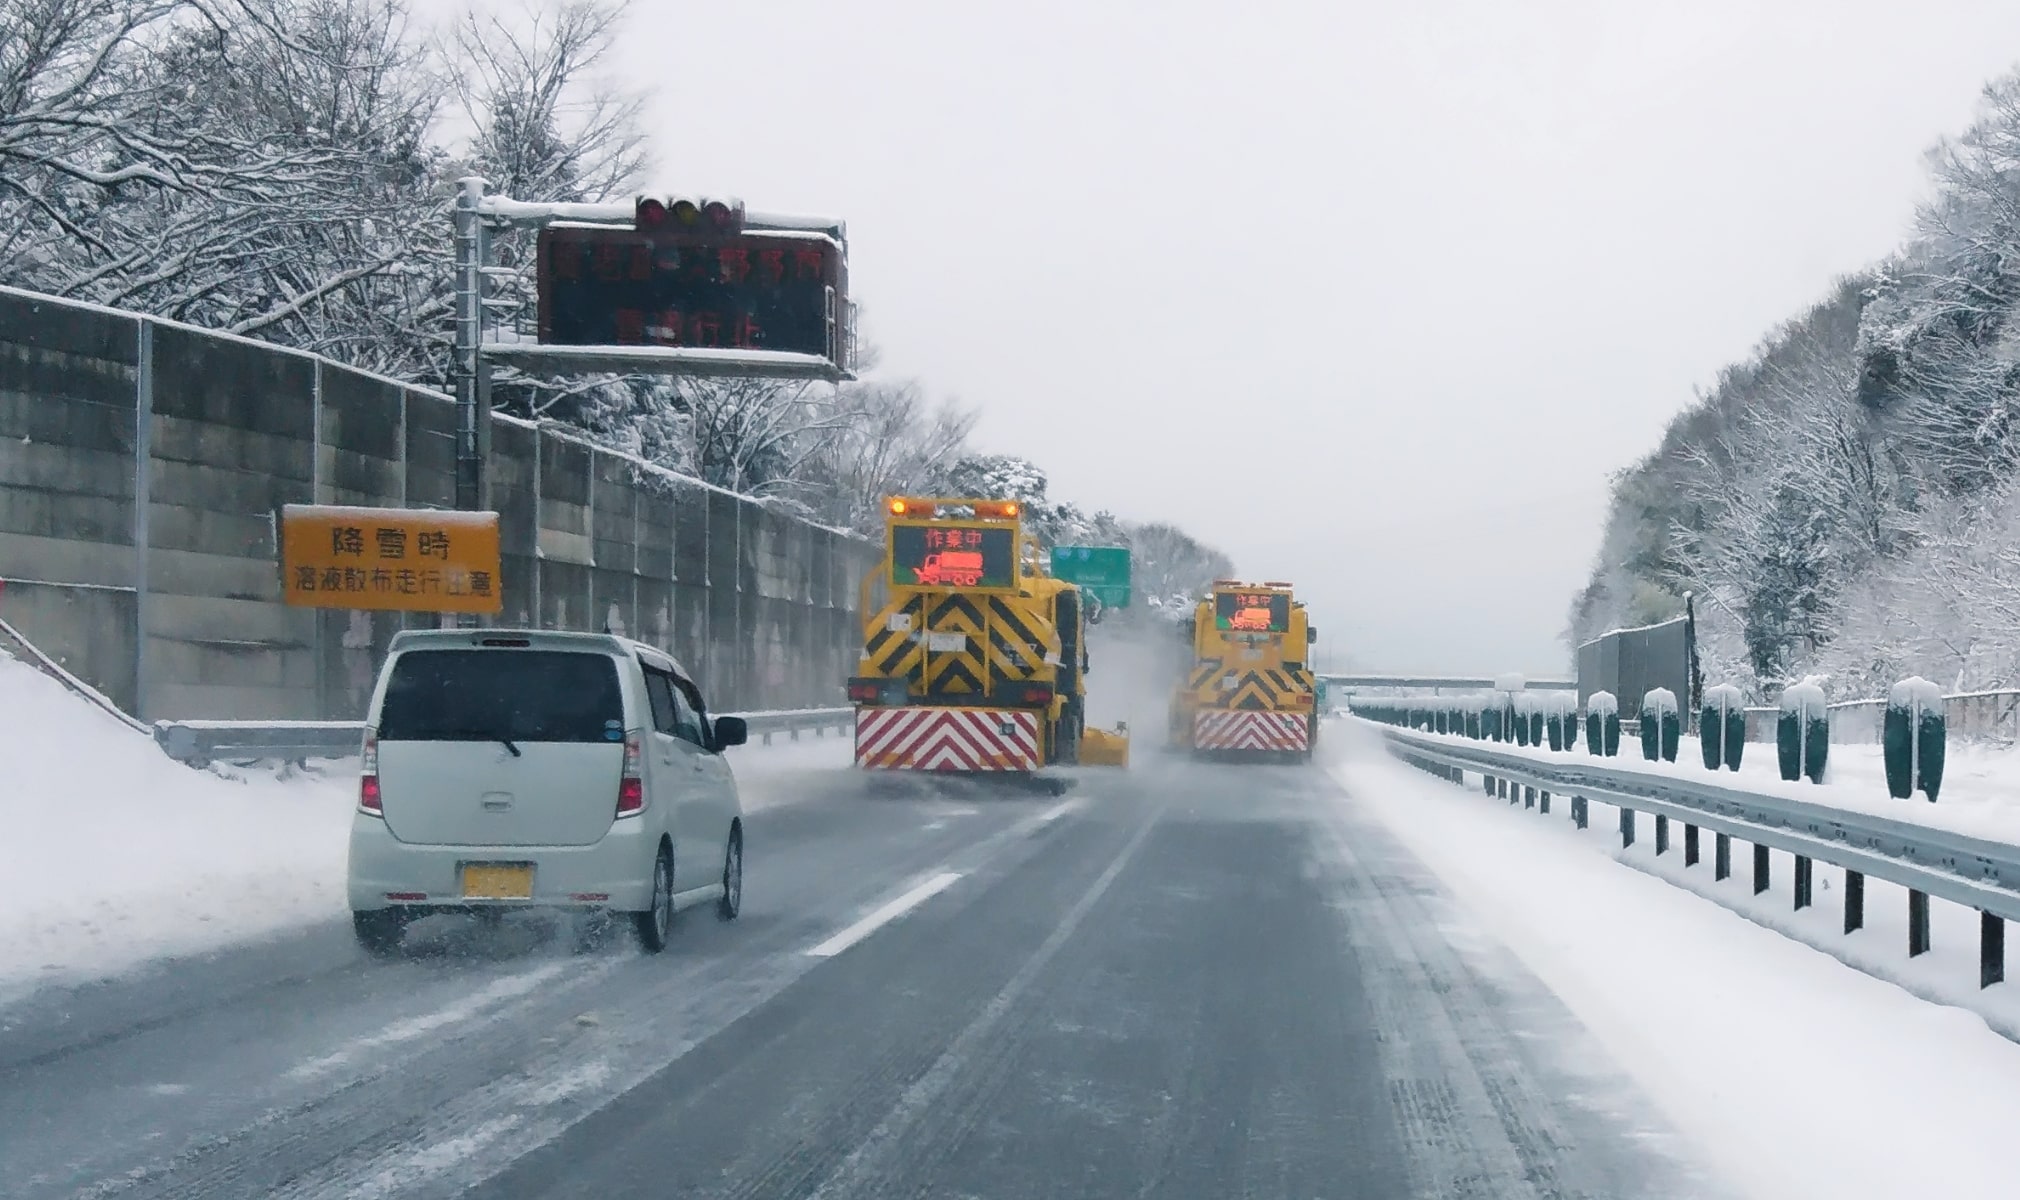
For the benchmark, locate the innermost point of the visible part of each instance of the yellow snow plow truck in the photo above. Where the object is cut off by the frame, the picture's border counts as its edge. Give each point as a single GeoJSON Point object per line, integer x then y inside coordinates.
{"type": "Point", "coordinates": [974, 658]}
{"type": "Point", "coordinates": [1249, 691]}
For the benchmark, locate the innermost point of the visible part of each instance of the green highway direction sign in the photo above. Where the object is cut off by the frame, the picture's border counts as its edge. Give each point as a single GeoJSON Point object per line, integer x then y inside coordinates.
{"type": "Point", "coordinates": [1101, 571]}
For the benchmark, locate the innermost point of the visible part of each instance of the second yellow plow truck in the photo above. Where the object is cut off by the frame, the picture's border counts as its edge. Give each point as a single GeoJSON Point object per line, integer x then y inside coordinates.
{"type": "Point", "coordinates": [1249, 690]}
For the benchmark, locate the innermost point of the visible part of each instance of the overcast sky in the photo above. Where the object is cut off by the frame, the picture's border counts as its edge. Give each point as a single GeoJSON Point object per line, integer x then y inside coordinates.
{"type": "Point", "coordinates": [1373, 297]}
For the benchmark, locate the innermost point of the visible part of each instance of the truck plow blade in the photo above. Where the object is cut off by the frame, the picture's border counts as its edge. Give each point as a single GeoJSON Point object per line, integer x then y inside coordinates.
{"type": "Point", "coordinates": [1104, 748]}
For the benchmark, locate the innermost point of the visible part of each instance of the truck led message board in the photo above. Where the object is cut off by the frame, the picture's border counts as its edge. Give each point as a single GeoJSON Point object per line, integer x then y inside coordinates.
{"type": "Point", "coordinates": [1251, 612]}
{"type": "Point", "coordinates": [961, 556]}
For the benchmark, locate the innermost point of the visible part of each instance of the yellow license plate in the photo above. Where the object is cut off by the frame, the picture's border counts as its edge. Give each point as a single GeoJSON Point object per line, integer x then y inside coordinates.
{"type": "Point", "coordinates": [497, 881]}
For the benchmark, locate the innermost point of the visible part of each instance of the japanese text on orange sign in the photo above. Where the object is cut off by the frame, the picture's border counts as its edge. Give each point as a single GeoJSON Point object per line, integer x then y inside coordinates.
{"type": "Point", "coordinates": [411, 560]}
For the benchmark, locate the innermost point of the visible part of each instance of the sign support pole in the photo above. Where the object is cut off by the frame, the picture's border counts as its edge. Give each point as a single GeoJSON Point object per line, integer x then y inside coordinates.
{"type": "Point", "coordinates": [469, 333]}
{"type": "Point", "coordinates": [466, 369]}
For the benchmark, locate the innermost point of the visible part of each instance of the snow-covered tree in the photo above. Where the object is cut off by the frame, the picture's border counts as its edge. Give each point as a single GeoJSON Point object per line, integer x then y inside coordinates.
{"type": "Point", "coordinates": [255, 165]}
{"type": "Point", "coordinates": [1839, 502]}
{"type": "Point", "coordinates": [889, 439]}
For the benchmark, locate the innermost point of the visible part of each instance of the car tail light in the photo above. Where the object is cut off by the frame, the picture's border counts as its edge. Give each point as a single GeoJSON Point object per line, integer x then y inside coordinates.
{"type": "Point", "coordinates": [631, 788]}
{"type": "Point", "coordinates": [369, 800]}
{"type": "Point", "coordinates": [864, 693]}
{"type": "Point", "coordinates": [1038, 694]}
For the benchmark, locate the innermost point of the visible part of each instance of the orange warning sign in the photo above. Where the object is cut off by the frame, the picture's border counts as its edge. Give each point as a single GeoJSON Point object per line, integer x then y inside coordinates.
{"type": "Point", "coordinates": [406, 559]}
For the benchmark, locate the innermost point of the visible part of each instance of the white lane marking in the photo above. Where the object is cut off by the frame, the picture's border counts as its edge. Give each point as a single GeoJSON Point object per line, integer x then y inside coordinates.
{"type": "Point", "coordinates": [498, 991]}
{"type": "Point", "coordinates": [884, 914]}
{"type": "Point", "coordinates": [961, 1052]}
{"type": "Point", "coordinates": [1057, 811]}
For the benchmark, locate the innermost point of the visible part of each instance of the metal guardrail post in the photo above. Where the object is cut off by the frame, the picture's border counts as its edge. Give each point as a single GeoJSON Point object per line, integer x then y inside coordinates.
{"type": "Point", "coordinates": [1991, 949]}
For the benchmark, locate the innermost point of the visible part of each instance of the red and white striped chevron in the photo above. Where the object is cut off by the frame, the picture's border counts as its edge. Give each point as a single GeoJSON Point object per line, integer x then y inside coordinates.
{"type": "Point", "coordinates": [946, 739]}
{"type": "Point", "coordinates": [1245, 730]}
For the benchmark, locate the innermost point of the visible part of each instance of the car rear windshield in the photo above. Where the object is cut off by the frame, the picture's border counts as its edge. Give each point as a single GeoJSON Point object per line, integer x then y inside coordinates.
{"type": "Point", "coordinates": [514, 695]}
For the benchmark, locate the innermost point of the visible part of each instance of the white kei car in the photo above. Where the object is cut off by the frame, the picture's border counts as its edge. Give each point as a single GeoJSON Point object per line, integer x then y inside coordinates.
{"type": "Point", "coordinates": [510, 769]}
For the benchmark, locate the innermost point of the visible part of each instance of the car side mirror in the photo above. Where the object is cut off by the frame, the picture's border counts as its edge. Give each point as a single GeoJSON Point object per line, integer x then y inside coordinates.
{"type": "Point", "coordinates": [1311, 636]}
{"type": "Point", "coordinates": [731, 731]}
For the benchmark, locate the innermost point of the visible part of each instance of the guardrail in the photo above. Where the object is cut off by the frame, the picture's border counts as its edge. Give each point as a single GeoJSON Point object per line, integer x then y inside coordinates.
{"type": "Point", "coordinates": [1973, 872]}
{"type": "Point", "coordinates": [200, 743]}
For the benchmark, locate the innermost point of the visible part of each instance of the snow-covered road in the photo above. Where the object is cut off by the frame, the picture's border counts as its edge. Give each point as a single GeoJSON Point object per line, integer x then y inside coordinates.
{"type": "Point", "coordinates": [1345, 979]}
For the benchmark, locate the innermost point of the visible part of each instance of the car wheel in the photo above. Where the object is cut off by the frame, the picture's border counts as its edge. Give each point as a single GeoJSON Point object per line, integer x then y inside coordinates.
{"type": "Point", "coordinates": [655, 922]}
{"type": "Point", "coordinates": [379, 932]}
{"type": "Point", "coordinates": [732, 878]}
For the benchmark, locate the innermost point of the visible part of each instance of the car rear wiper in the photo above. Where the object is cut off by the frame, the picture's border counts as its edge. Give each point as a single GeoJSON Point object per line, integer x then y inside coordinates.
{"type": "Point", "coordinates": [483, 735]}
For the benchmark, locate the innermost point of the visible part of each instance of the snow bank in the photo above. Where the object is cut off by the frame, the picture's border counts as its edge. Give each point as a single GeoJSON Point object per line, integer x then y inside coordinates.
{"type": "Point", "coordinates": [114, 855]}
{"type": "Point", "coordinates": [1795, 1073]}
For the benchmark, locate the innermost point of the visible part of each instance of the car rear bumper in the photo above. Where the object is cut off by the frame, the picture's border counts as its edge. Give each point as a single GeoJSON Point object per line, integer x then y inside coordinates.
{"type": "Point", "coordinates": [614, 873]}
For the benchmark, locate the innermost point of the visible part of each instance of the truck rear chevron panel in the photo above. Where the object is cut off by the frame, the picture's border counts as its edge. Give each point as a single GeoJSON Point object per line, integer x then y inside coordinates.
{"type": "Point", "coordinates": [1248, 730]}
{"type": "Point", "coordinates": [946, 739]}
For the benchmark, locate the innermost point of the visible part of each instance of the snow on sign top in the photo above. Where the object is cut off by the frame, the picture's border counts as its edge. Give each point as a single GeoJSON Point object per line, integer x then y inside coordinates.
{"type": "Point", "coordinates": [1805, 698]}
{"type": "Point", "coordinates": [354, 512]}
{"type": "Point", "coordinates": [1724, 697]}
{"type": "Point", "coordinates": [1659, 702]}
{"type": "Point", "coordinates": [400, 559]}
{"type": "Point", "coordinates": [1915, 692]}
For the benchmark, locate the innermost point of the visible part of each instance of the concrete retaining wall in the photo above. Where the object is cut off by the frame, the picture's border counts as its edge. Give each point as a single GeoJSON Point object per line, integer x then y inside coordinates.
{"type": "Point", "coordinates": [141, 552]}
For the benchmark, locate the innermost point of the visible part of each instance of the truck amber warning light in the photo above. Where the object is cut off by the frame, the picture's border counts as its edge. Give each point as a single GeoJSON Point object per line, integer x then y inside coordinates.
{"type": "Point", "coordinates": [953, 556]}
{"type": "Point", "coordinates": [1252, 612]}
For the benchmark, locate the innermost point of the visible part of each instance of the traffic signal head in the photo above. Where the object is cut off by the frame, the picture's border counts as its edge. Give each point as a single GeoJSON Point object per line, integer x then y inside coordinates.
{"type": "Point", "coordinates": [682, 212]}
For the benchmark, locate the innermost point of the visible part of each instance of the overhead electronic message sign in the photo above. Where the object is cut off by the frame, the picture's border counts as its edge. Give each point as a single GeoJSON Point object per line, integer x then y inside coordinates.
{"type": "Point", "coordinates": [682, 279]}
